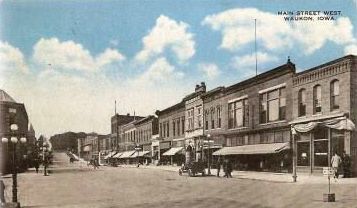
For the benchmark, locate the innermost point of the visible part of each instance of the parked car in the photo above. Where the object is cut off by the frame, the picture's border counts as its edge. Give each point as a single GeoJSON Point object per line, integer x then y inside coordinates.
{"type": "Point", "coordinates": [193, 168]}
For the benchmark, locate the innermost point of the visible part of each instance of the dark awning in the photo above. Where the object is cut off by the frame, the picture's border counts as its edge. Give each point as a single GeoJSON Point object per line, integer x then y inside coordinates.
{"type": "Point", "coordinates": [253, 149]}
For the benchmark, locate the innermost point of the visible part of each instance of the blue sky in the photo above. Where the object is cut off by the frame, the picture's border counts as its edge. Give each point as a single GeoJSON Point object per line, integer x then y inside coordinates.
{"type": "Point", "coordinates": [69, 60]}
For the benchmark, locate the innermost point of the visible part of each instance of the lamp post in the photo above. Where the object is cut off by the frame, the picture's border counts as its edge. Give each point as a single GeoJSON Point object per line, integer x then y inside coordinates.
{"type": "Point", "coordinates": [44, 158]}
{"type": "Point", "coordinates": [293, 131]}
{"type": "Point", "coordinates": [14, 140]}
{"type": "Point", "coordinates": [137, 149]}
{"type": "Point", "coordinates": [209, 141]}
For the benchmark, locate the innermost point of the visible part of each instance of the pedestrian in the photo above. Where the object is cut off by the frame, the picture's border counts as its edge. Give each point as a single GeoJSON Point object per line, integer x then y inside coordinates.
{"type": "Point", "coordinates": [225, 168]}
{"type": "Point", "coordinates": [229, 169]}
{"type": "Point", "coordinates": [37, 165]}
{"type": "Point", "coordinates": [346, 165]}
{"type": "Point", "coordinates": [2, 192]}
{"type": "Point", "coordinates": [335, 163]}
{"type": "Point", "coordinates": [219, 164]}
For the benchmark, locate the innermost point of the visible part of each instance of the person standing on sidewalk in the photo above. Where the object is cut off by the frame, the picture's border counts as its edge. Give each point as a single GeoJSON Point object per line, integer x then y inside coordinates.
{"type": "Point", "coordinates": [335, 163]}
{"type": "Point", "coordinates": [346, 165]}
{"type": "Point", "coordinates": [229, 169]}
{"type": "Point", "coordinates": [219, 164]}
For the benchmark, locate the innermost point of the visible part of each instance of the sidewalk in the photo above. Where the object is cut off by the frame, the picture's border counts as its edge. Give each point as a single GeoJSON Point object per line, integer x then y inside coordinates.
{"type": "Point", "coordinates": [302, 178]}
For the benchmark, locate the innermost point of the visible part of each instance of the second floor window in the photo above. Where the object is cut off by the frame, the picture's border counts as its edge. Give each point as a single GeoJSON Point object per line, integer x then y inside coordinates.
{"type": "Point", "coordinates": [302, 102]}
{"type": "Point", "coordinates": [317, 99]}
{"type": "Point", "coordinates": [335, 92]}
{"type": "Point", "coordinates": [183, 125]}
{"type": "Point", "coordinates": [178, 127]}
{"type": "Point", "coordinates": [236, 114]}
{"type": "Point", "coordinates": [212, 118]}
{"type": "Point", "coordinates": [272, 106]}
{"type": "Point", "coordinates": [190, 119]}
{"type": "Point", "coordinates": [219, 114]}
{"type": "Point", "coordinates": [199, 116]}
{"type": "Point", "coordinates": [173, 128]}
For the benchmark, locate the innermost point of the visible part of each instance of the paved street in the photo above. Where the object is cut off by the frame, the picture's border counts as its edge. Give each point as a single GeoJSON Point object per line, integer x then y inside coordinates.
{"type": "Point", "coordinates": [74, 186]}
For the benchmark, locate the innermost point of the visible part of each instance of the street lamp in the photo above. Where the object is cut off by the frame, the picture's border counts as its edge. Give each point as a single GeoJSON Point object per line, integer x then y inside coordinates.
{"type": "Point", "coordinates": [137, 149]}
{"type": "Point", "coordinates": [14, 141]}
{"type": "Point", "coordinates": [209, 141]}
{"type": "Point", "coordinates": [44, 158]}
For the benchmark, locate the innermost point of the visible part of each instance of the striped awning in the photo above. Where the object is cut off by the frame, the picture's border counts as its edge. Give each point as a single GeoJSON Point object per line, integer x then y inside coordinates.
{"type": "Point", "coordinates": [139, 154]}
{"type": "Point", "coordinates": [253, 149]}
{"type": "Point", "coordinates": [127, 154]}
{"type": "Point", "coordinates": [110, 154]}
{"type": "Point", "coordinates": [117, 155]}
{"type": "Point", "coordinates": [172, 151]}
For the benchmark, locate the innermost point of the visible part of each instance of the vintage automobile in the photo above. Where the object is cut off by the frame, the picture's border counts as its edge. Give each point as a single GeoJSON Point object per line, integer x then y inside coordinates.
{"type": "Point", "coordinates": [193, 168]}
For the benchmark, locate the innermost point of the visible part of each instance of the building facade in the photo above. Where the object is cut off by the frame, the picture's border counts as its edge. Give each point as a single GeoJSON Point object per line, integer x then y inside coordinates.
{"type": "Point", "coordinates": [324, 98]}
{"type": "Point", "coordinates": [171, 134]}
{"type": "Point", "coordinates": [257, 112]}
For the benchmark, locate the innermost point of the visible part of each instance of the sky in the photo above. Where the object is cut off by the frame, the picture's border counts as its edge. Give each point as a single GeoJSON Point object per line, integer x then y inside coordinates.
{"type": "Point", "coordinates": [69, 60]}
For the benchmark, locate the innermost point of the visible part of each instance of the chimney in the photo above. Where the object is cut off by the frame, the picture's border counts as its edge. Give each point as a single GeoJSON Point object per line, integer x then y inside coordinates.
{"type": "Point", "coordinates": [197, 88]}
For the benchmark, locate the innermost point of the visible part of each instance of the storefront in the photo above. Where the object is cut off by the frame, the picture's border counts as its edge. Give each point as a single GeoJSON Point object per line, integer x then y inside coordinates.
{"type": "Point", "coordinates": [317, 141]}
{"type": "Point", "coordinates": [273, 157]}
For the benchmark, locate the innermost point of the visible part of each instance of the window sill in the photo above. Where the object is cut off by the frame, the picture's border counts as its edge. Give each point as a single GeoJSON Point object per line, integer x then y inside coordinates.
{"type": "Point", "coordinates": [273, 122]}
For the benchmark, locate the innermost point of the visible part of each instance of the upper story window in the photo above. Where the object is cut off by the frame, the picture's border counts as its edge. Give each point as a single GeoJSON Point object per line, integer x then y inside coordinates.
{"type": "Point", "coordinates": [160, 127]}
{"type": "Point", "coordinates": [219, 116]}
{"type": "Point", "coordinates": [302, 102]}
{"type": "Point", "coordinates": [335, 92]}
{"type": "Point", "coordinates": [183, 124]}
{"type": "Point", "coordinates": [190, 119]}
{"type": "Point", "coordinates": [168, 129]}
{"type": "Point", "coordinates": [178, 126]}
{"type": "Point", "coordinates": [206, 119]}
{"type": "Point", "coordinates": [317, 99]}
{"type": "Point", "coordinates": [199, 116]}
{"type": "Point", "coordinates": [173, 128]}
{"type": "Point", "coordinates": [212, 118]}
{"type": "Point", "coordinates": [12, 110]}
{"type": "Point", "coordinates": [272, 105]}
{"type": "Point", "coordinates": [236, 113]}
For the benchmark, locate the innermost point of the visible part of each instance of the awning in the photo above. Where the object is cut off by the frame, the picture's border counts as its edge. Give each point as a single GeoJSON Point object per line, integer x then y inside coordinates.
{"type": "Point", "coordinates": [110, 154]}
{"type": "Point", "coordinates": [253, 149]}
{"type": "Point", "coordinates": [341, 123]}
{"type": "Point", "coordinates": [172, 151]}
{"type": "Point", "coordinates": [139, 154]}
{"type": "Point", "coordinates": [117, 155]}
{"type": "Point", "coordinates": [127, 154]}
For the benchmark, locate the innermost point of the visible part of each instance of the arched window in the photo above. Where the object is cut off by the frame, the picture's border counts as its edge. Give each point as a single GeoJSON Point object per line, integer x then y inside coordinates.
{"type": "Point", "coordinates": [317, 99]}
{"type": "Point", "coordinates": [335, 92]}
{"type": "Point", "coordinates": [302, 102]}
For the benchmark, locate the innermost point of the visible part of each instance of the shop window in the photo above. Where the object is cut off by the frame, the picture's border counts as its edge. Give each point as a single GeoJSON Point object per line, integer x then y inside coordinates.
{"type": "Point", "coordinates": [302, 102]}
{"type": "Point", "coordinates": [335, 92]}
{"type": "Point", "coordinates": [317, 99]}
{"type": "Point", "coordinates": [303, 153]}
{"type": "Point", "coordinates": [321, 153]}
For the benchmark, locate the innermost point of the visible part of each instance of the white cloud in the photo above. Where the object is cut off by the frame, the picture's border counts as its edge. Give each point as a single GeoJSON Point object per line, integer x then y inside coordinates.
{"type": "Point", "coordinates": [159, 71]}
{"type": "Point", "coordinates": [168, 34]}
{"type": "Point", "coordinates": [274, 33]}
{"type": "Point", "coordinates": [210, 70]}
{"type": "Point", "coordinates": [69, 55]}
{"type": "Point", "coordinates": [351, 49]}
{"type": "Point", "coordinates": [246, 64]}
{"type": "Point", "coordinates": [12, 59]}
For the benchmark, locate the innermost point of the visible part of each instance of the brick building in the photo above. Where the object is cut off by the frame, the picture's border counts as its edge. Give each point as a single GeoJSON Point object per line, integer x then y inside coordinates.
{"type": "Point", "coordinates": [12, 113]}
{"type": "Point", "coordinates": [324, 99]}
{"type": "Point", "coordinates": [255, 114]}
{"type": "Point", "coordinates": [168, 146]}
